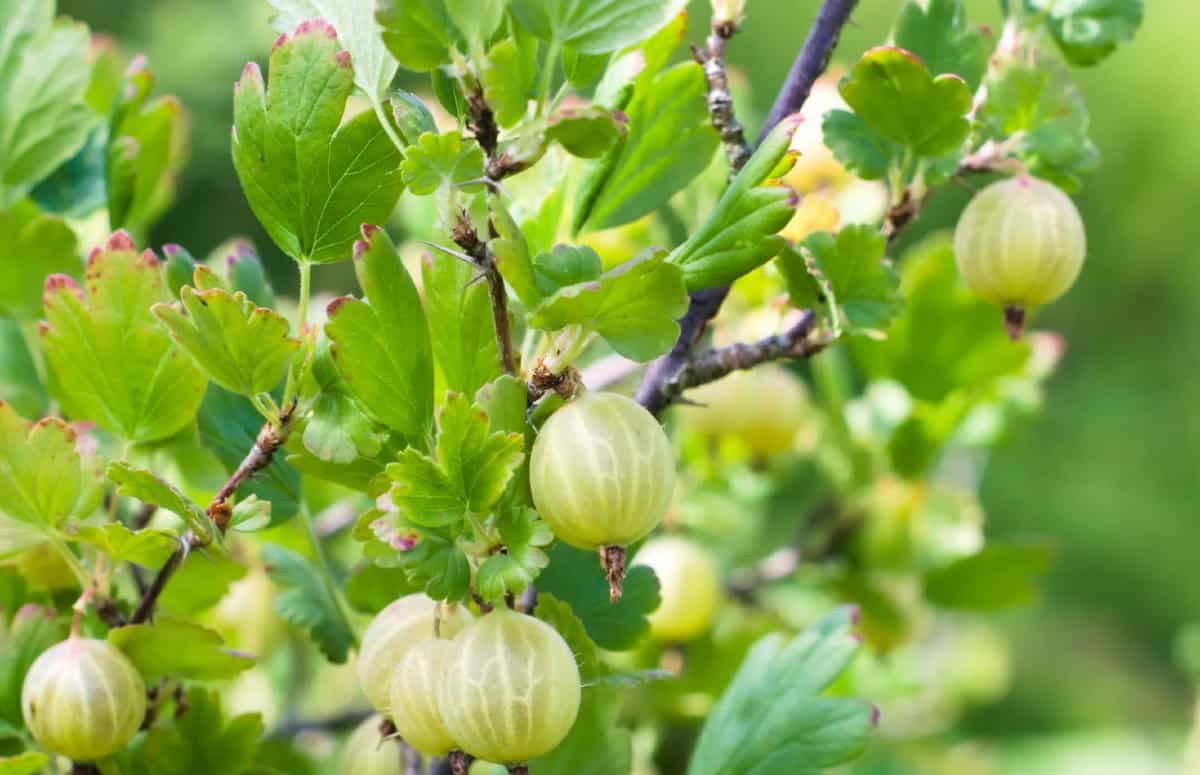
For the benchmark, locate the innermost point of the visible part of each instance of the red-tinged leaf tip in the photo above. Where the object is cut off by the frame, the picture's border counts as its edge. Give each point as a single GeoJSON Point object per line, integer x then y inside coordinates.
{"type": "Point", "coordinates": [171, 249]}
{"type": "Point", "coordinates": [93, 254]}
{"type": "Point", "coordinates": [250, 72]}
{"type": "Point", "coordinates": [369, 230]}
{"type": "Point", "coordinates": [332, 308]}
{"type": "Point", "coordinates": [855, 615]}
{"type": "Point", "coordinates": [61, 282]}
{"type": "Point", "coordinates": [343, 58]}
{"type": "Point", "coordinates": [149, 258]}
{"type": "Point", "coordinates": [793, 198]}
{"type": "Point", "coordinates": [283, 38]}
{"type": "Point", "coordinates": [874, 715]}
{"type": "Point", "coordinates": [621, 117]}
{"type": "Point", "coordinates": [360, 247]}
{"type": "Point", "coordinates": [316, 27]}
{"type": "Point", "coordinates": [67, 430]}
{"type": "Point", "coordinates": [43, 328]}
{"type": "Point", "coordinates": [120, 240]}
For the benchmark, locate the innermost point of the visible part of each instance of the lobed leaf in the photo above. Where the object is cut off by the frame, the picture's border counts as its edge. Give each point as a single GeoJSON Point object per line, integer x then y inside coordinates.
{"type": "Point", "coordinates": [306, 603]}
{"type": "Point", "coordinates": [172, 648]}
{"type": "Point", "coordinates": [32, 246]}
{"type": "Point", "coordinates": [594, 26]}
{"type": "Point", "coordinates": [110, 361]}
{"type": "Point", "coordinates": [311, 180]}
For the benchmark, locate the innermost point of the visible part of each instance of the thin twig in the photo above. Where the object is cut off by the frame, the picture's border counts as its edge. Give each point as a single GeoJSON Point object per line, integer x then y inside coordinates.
{"type": "Point", "coordinates": [465, 237]}
{"type": "Point", "coordinates": [704, 305]}
{"type": "Point", "coordinates": [720, 101]}
{"type": "Point", "coordinates": [711, 365]}
{"type": "Point", "coordinates": [266, 444]}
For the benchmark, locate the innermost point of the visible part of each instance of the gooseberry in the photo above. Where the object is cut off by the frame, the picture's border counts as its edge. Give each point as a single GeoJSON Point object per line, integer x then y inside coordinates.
{"type": "Point", "coordinates": [367, 753]}
{"type": "Point", "coordinates": [397, 628]}
{"type": "Point", "coordinates": [1020, 243]}
{"type": "Point", "coordinates": [763, 407]}
{"type": "Point", "coordinates": [602, 474]}
{"type": "Point", "coordinates": [689, 586]}
{"type": "Point", "coordinates": [83, 699]}
{"type": "Point", "coordinates": [511, 689]}
{"type": "Point", "coordinates": [414, 697]}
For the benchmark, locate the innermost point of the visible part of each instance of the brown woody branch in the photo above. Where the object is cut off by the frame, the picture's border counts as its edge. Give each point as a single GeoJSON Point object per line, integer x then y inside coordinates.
{"type": "Point", "coordinates": [703, 305]}
{"type": "Point", "coordinates": [720, 101]}
{"type": "Point", "coordinates": [266, 444]}
{"type": "Point", "coordinates": [465, 237]}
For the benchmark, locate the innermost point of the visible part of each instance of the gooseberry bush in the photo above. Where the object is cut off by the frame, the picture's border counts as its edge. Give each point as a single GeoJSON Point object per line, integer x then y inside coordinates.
{"type": "Point", "coordinates": [647, 444]}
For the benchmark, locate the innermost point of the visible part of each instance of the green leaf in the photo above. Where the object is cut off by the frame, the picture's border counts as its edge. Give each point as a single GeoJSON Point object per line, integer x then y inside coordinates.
{"type": "Point", "coordinates": [594, 26]}
{"type": "Point", "coordinates": [357, 31]}
{"type": "Point", "coordinates": [565, 265]}
{"type": "Point", "coordinates": [862, 285]}
{"type": "Point", "coordinates": [574, 576]}
{"type": "Point", "coordinates": [858, 147]}
{"type": "Point", "coordinates": [148, 547]}
{"type": "Point", "coordinates": [940, 36]}
{"type": "Point", "coordinates": [372, 588]}
{"type": "Point", "coordinates": [741, 233]}
{"type": "Point", "coordinates": [200, 741]}
{"type": "Point", "coordinates": [78, 187]}
{"type": "Point", "coordinates": [511, 571]}
{"type": "Point", "coordinates": [336, 430]}
{"type": "Point", "coordinates": [460, 324]}
{"type": "Point", "coordinates": [44, 74]}
{"type": "Point", "coordinates": [417, 32]}
{"type": "Point", "coordinates": [508, 75]}
{"type": "Point", "coordinates": [32, 246]}
{"type": "Point", "coordinates": [472, 467]}
{"type": "Point", "coordinates": [438, 567]}
{"type": "Point", "coordinates": [1001, 575]}
{"type": "Point", "coordinates": [306, 603]}
{"type": "Point", "coordinates": [146, 150]}
{"type": "Point", "coordinates": [44, 480]}
{"type": "Point", "coordinates": [1087, 31]}
{"type": "Point", "coordinates": [26, 763]}
{"type": "Point", "coordinates": [200, 583]}
{"type": "Point", "coordinates": [139, 483]}
{"type": "Point", "coordinates": [241, 347]}
{"type": "Point", "coordinates": [441, 160]}
{"type": "Point", "coordinates": [586, 132]}
{"type": "Point", "coordinates": [20, 385]}
{"type": "Point", "coordinates": [894, 93]}
{"type": "Point", "coordinates": [477, 20]}
{"type": "Point", "coordinates": [1042, 109]}
{"type": "Point", "coordinates": [773, 718]}
{"type": "Point", "coordinates": [946, 339]}
{"type": "Point", "coordinates": [669, 142]}
{"type": "Point", "coordinates": [413, 118]}
{"type": "Point", "coordinates": [559, 615]}
{"type": "Point", "coordinates": [381, 345]}
{"type": "Point", "coordinates": [171, 648]}
{"type": "Point", "coordinates": [633, 306]}
{"type": "Point", "coordinates": [111, 361]}
{"type": "Point", "coordinates": [33, 630]}
{"type": "Point", "coordinates": [311, 182]}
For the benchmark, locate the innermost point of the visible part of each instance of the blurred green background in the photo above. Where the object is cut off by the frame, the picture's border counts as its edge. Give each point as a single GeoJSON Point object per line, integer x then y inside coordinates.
{"type": "Point", "coordinates": [1110, 469]}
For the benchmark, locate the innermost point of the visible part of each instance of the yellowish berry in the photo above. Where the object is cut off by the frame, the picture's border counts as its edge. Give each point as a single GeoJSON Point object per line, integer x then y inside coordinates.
{"type": "Point", "coordinates": [689, 585]}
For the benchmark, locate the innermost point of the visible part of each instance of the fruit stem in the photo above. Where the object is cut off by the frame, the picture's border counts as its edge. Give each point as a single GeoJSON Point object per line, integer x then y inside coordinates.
{"type": "Point", "coordinates": [612, 559]}
{"type": "Point", "coordinates": [1014, 321]}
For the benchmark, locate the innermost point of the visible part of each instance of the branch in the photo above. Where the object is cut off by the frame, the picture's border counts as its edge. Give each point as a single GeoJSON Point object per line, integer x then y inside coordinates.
{"type": "Point", "coordinates": [704, 305]}
{"type": "Point", "coordinates": [338, 723]}
{"type": "Point", "coordinates": [465, 237]}
{"type": "Point", "coordinates": [720, 101]}
{"type": "Point", "coordinates": [711, 365]}
{"type": "Point", "coordinates": [266, 444]}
